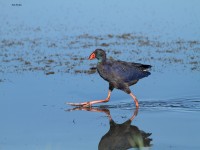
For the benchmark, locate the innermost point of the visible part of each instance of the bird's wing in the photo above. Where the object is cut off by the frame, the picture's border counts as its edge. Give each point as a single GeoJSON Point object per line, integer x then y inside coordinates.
{"type": "Point", "coordinates": [127, 71]}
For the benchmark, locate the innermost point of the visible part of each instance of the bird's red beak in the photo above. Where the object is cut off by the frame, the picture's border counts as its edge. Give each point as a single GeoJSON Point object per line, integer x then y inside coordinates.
{"type": "Point", "coordinates": [92, 56]}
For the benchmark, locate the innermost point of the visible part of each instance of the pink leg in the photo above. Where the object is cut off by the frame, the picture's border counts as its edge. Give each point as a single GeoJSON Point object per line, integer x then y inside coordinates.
{"type": "Point", "coordinates": [90, 103]}
{"type": "Point", "coordinates": [135, 113]}
{"type": "Point", "coordinates": [135, 100]}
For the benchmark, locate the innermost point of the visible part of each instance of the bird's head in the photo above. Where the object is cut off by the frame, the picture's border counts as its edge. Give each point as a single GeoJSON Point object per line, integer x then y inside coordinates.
{"type": "Point", "coordinates": [98, 54]}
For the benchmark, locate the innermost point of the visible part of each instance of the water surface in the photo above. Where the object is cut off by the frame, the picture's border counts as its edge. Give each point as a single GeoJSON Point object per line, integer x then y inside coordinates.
{"type": "Point", "coordinates": [44, 48]}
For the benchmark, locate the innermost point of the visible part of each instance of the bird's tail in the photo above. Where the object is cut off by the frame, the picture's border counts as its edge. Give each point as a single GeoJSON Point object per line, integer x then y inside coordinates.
{"type": "Point", "coordinates": [146, 66]}
{"type": "Point", "coordinates": [143, 67]}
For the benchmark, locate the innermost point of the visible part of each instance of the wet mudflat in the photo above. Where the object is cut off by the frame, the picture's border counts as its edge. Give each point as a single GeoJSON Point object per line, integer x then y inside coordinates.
{"type": "Point", "coordinates": [44, 64]}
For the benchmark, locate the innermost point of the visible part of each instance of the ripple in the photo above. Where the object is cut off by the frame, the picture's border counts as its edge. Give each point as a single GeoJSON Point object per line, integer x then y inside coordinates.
{"type": "Point", "coordinates": [173, 104]}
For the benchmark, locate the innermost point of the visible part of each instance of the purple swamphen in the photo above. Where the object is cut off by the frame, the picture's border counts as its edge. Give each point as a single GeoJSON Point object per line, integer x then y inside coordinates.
{"type": "Point", "coordinates": [119, 74]}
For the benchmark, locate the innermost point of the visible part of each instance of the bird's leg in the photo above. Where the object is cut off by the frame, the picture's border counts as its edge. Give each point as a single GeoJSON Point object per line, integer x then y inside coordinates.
{"type": "Point", "coordinates": [135, 114]}
{"type": "Point", "coordinates": [135, 100]}
{"type": "Point", "coordinates": [90, 103]}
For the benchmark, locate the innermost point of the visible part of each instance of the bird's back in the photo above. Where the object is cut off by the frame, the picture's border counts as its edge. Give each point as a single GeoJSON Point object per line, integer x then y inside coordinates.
{"type": "Point", "coordinates": [128, 72]}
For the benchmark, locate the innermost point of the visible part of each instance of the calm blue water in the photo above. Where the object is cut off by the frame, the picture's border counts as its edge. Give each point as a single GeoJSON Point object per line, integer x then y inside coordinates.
{"type": "Point", "coordinates": [166, 19]}
{"type": "Point", "coordinates": [34, 116]}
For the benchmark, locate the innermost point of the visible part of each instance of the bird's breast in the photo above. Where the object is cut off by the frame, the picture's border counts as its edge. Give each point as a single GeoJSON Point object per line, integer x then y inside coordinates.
{"type": "Point", "coordinates": [103, 72]}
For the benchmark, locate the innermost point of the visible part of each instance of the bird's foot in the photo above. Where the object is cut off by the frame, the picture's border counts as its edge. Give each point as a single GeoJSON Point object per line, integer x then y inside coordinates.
{"type": "Point", "coordinates": [80, 108]}
{"type": "Point", "coordinates": [84, 104]}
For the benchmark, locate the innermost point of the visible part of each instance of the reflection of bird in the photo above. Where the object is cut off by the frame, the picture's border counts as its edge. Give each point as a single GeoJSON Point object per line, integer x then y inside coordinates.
{"type": "Point", "coordinates": [119, 74]}
{"type": "Point", "coordinates": [124, 136]}
{"type": "Point", "coordinates": [121, 136]}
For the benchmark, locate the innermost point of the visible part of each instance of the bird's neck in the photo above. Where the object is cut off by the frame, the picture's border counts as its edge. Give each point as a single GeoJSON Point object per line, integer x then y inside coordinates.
{"type": "Point", "coordinates": [102, 60]}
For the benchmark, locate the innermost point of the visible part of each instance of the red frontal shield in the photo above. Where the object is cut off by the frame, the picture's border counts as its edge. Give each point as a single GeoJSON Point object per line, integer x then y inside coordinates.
{"type": "Point", "coordinates": [92, 56]}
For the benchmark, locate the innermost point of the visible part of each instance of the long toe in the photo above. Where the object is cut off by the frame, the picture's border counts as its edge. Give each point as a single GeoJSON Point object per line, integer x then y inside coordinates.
{"type": "Point", "coordinates": [84, 104]}
{"type": "Point", "coordinates": [75, 104]}
{"type": "Point", "coordinates": [88, 104]}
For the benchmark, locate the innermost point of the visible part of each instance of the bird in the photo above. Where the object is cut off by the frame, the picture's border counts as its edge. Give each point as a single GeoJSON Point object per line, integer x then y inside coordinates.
{"type": "Point", "coordinates": [119, 74]}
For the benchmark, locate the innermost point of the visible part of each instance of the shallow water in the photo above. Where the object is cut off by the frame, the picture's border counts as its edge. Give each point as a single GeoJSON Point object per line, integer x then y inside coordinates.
{"type": "Point", "coordinates": [34, 114]}
{"type": "Point", "coordinates": [43, 64]}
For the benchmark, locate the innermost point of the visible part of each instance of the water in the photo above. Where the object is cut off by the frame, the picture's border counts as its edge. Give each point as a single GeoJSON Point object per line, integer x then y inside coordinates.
{"type": "Point", "coordinates": [166, 19]}
{"type": "Point", "coordinates": [43, 64]}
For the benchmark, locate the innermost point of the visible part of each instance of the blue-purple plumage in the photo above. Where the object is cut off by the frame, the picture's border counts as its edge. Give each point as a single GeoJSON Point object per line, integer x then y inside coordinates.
{"type": "Point", "coordinates": [120, 74]}
{"type": "Point", "coordinates": [120, 71]}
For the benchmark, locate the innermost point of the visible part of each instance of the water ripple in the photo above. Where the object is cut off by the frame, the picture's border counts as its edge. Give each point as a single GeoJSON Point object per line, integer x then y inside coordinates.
{"type": "Point", "coordinates": [175, 104]}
